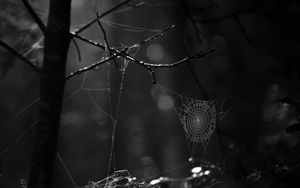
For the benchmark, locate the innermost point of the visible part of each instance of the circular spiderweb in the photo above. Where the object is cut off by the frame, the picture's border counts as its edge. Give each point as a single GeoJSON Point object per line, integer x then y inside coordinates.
{"type": "Point", "coordinates": [198, 119]}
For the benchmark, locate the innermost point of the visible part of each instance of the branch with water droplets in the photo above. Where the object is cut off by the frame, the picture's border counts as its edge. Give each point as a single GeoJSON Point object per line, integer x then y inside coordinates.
{"type": "Point", "coordinates": [104, 47]}
{"type": "Point", "coordinates": [123, 53]}
{"type": "Point", "coordinates": [94, 65]}
{"type": "Point", "coordinates": [106, 39]}
{"type": "Point", "coordinates": [148, 66]}
{"type": "Point", "coordinates": [154, 37]}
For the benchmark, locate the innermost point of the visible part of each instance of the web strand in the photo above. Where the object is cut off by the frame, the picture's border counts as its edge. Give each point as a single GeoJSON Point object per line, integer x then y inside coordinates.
{"type": "Point", "coordinates": [91, 97]}
{"type": "Point", "coordinates": [35, 123]}
{"type": "Point", "coordinates": [112, 150]}
{"type": "Point", "coordinates": [18, 139]}
{"type": "Point", "coordinates": [66, 170]}
{"type": "Point", "coordinates": [111, 119]}
{"type": "Point", "coordinates": [20, 112]}
{"type": "Point", "coordinates": [198, 118]}
{"type": "Point", "coordinates": [129, 27]}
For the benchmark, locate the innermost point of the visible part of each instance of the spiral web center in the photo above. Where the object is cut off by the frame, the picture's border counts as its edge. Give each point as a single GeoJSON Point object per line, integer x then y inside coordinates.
{"type": "Point", "coordinates": [198, 118]}
{"type": "Point", "coordinates": [199, 121]}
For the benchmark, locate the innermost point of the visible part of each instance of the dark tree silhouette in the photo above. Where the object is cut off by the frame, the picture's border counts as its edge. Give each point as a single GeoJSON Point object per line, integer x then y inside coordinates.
{"type": "Point", "coordinates": [52, 82]}
{"type": "Point", "coordinates": [57, 36]}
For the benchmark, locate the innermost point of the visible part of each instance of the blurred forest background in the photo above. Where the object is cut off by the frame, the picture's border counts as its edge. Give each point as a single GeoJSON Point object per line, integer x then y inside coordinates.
{"type": "Point", "coordinates": [255, 67]}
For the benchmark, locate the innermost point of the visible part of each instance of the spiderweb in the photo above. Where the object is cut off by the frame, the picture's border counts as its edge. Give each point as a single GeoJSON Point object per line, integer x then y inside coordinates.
{"type": "Point", "coordinates": [198, 118]}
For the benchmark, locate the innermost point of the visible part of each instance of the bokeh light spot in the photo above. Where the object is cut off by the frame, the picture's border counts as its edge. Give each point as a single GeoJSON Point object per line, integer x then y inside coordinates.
{"type": "Point", "coordinates": [77, 3]}
{"type": "Point", "coordinates": [165, 102]}
{"type": "Point", "coordinates": [72, 118]}
{"type": "Point", "coordinates": [196, 170]}
{"type": "Point", "coordinates": [155, 52]}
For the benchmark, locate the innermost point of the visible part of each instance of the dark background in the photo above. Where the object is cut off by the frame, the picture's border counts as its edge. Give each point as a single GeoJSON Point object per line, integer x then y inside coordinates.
{"type": "Point", "coordinates": [256, 63]}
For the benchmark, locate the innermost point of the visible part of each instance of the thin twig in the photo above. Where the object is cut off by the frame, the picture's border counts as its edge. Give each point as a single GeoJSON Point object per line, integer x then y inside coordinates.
{"type": "Point", "coordinates": [12, 144]}
{"type": "Point", "coordinates": [129, 7]}
{"type": "Point", "coordinates": [198, 83]}
{"type": "Point", "coordinates": [77, 49]}
{"type": "Point", "coordinates": [84, 39]}
{"type": "Point", "coordinates": [35, 17]}
{"type": "Point", "coordinates": [107, 46]}
{"type": "Point", "coordinates": [244, 32]}
{"type": "Point", "coordinates": [31, 64]}
{"type": "Point", "coordinates": [194, 24]}
{"type": "Point", "coordinates": [94, 65]}
{"type": "Point", "coordinates": [123, 52]}
{"type": "Point", "coordinates": [141, 3]}
{"type": "Point", "coordinates": [206, 97]}
{"type": "Point", "coordinates": [148, 66]}
{"type": "Point", "coordinates": [190, 67]}
{"type": "Point", "coordinates": [87, 25]}
{"type": "Point", "coordinates": [63, 164]}
{"type": "Point", "coordinates": [184, 60]}
{"type": "Point", "coordinates": [103, 47]}
{"type": "Point", "coordinates": [104, 33]}
{"type": "Point", "coordinates": [154, 37]}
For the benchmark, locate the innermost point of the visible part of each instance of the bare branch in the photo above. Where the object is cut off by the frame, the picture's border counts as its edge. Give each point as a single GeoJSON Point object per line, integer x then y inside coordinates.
{"type": "Point", "coordinates": [94, 65]}
{"type": "Point", "coordinates": [191, 18]}
{"type": "Point", "coordinates": [35, 17]}
{"type": "Point", "coordinates": [84, 39]}
{"type": "Point", "coordinates": [194, 75]}
{"type": "Point", "coordinates": [77, 49]}
{"type": "Point", "coordinates": [123, 53]}
{"type": "Point", "coordinates": [103, 31]}
{"type": "Point", "coordinates": [146, 65]}
{"type": "Point", "coordinates": [103, 47]}
{"type": "Point", "coordinates": [243, 30]}
{"type": "Point", "coordinates": [160, 34]}
{"type": "Point", "coordinates": [52, 84]}
{"type": "Point", "coordinates": [149, 66]}
{"type": "Point", "coordinates": [79, 30]}
{"type": "Point", "coordinates": [17, 54]}
{"type": "Point", "coordinates": [140, 4]}
{"type": "Point", "coordinates": [152, 73]}
{"type": "Point", "coordinates": [106, 40]}
{"type": "Point", "coordinates": [184, 60]}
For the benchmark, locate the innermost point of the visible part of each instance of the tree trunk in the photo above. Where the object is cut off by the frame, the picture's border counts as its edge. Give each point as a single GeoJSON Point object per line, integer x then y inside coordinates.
{"type": "Point", "coordinates": [52, 82]}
